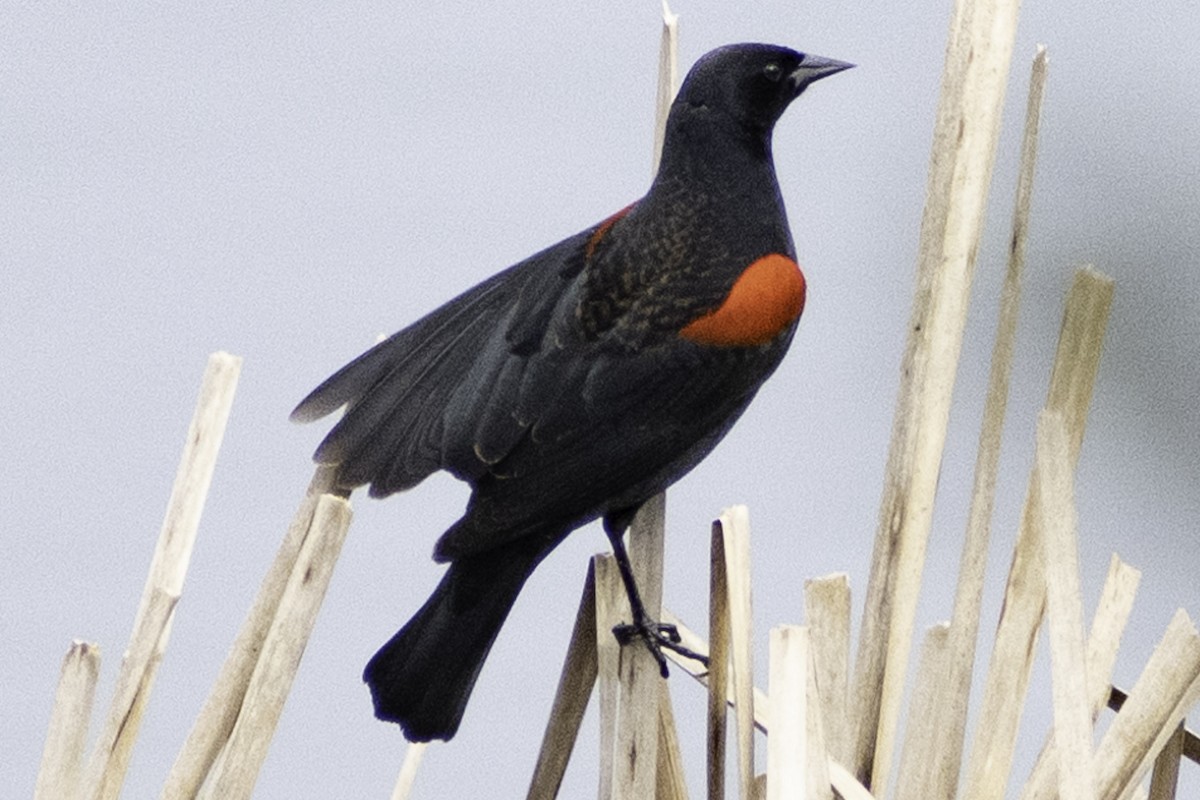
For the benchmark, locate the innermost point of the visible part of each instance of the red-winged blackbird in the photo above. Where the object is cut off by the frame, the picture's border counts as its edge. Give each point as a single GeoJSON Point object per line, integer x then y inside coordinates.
{"type": "Point", "coordinates": [582, 381]}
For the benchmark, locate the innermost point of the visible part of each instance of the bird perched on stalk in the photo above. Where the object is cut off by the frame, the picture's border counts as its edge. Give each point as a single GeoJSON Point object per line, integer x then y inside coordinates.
{"type": "Point", "coordinates": [582, 381]}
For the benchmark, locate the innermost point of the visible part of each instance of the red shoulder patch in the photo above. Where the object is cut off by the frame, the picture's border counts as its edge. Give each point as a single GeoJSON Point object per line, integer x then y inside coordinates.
{"type": "Point", "coordinates": [766, 298]}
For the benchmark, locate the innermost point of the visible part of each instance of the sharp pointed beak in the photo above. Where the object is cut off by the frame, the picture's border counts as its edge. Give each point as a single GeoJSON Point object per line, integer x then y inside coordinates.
{"type": "Point", "coordinates": [814, 68]}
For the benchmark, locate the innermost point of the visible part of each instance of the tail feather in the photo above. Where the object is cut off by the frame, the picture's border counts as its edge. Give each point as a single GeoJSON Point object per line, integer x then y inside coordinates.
{"type": "Point", "coordinates": [423, 677]}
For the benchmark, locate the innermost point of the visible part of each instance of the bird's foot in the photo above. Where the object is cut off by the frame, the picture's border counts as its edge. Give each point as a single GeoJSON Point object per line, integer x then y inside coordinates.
{"type": "Point", "coordinates": [657, 636]}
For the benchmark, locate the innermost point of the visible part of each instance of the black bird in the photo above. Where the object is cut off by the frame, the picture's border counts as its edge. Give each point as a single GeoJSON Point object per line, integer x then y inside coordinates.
{"type": "Point", "coordinates": [582, 381]}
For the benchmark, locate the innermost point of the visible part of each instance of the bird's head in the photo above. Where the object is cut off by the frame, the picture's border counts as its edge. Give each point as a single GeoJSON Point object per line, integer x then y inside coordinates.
{"type": "Point", "coordinates": [751, 83]}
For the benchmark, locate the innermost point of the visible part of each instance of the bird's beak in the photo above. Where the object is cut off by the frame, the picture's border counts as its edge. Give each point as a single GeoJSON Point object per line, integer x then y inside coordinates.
{"type": "Point", "coordinates": [814, 68]}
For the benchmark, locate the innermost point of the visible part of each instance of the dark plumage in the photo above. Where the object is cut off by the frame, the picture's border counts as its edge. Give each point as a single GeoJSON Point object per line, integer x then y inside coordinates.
{"type": "Point", "coordinates": [582, 381]}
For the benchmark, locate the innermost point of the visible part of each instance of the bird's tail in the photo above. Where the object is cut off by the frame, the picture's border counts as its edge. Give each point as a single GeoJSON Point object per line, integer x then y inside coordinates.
{"type": "Point", "coordinates": [424, 675]}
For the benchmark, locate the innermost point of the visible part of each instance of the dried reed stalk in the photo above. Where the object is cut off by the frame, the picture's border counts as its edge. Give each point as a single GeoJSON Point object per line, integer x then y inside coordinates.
{"type": "Point", "coordinates": [671, 784]}
{"type": "Point", "coordinates": [977, 59]}
{"type": "Point", "coordinates": [720, 688]}
{"type": "Point", "coordinates": [797, 764]}
{"type": "Point", "coordinates": [1055, 505]}
{"type": "Point", "coordinates": [219, 714]}
{"type": "Point", "coordinates": [940, 774]}
{"type": "Point", "coordinates": [827, 611]}
{"type": "Point", "coordinates": [66, 737]}
{"type": "Point", "coordinates": [611, 610]}
{"type": "Point", "coordinates": [921, 729]}
{"type": "Point", "coordinates": [413, 755]}
{"type": "Point", "coordinates": [636, 756]}
{"type": "Point", "coordinates": [571, 699]}
{"type": "Point", "coordinates": [668, 77]}
{"type": "Point", "coordinates": [1108, 623]}
{"type": "Point", "coordinates": [164, 583]}
{"type": "Point", "coordinates": [787, 746]}
{"type": "Point", "coordinates": [735, 528]}
{"type": "Point", "coordinates": [1168, 686]}
{"type": "Point", "coordinates": [1072, 378]}
{"type": "Point", "coordinates": [236, 770]}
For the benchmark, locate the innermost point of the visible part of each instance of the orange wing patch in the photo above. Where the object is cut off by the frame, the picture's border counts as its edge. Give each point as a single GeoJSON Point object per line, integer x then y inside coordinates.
{"type": "Point", "coordinates": [764, 300]}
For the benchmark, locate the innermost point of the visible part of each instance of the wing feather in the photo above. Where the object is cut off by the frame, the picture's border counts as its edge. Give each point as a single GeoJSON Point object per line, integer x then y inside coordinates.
{"type": "Point", "coordinates": [443, 393]}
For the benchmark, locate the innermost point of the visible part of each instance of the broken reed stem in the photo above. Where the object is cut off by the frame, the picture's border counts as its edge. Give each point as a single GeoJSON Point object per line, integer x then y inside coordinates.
{"type": "Point", "coordinates": [636, 757]}
{"type": "Point", "coordinates": [1108, 623]}
{"type": "Point", "coordinates": [1055, 505]}
{"type": "Point", "coordinates": [735, 528]}
{"type": "Point", "coordinates": [612, 608]}
{"type": "Point", "coordinates": [787, 746]}
{"type": "Point", "coordinates": [1072, 378]}
{"type": "Point", "coordinates": [702, 675]}
{"type": "Point", "coordinates": [827, 612]}
{"type": "Point", "coordinates": [215, 722]}
{"type": "Point", "coordinates": [408, 770]}
{"type": "Point", "coordinates": [66, 737]}
{"type": "Point", "coordinates": [960, 174]}
{"type": "Point", "coordinates": [840, 778]}
{"type": "Point", "coordinates": [670, 783]}
{"type": "Point", "coordinates": [236, 771]}
{"type": "Point", "coordinates": [1115, 701]}
{"type": "Point", "coordinates": [940, 774]}
{"type": "Point", "coordinates": [570, 700]}
{"type": "Point", "coordinates": [920, 735]}
{"type": "Point", "coordinates": [1165, 775]}
{"type": "Point", "coordinates": [720, 691]}
{"type": "Point", "coordinates": [817, 755]}
{"type": "Point", "coordinates": [668, 78]}
{"type": "Point", "coordinates": [164, 583]}
{"type": "Point", "coordinates": [1168, 686]}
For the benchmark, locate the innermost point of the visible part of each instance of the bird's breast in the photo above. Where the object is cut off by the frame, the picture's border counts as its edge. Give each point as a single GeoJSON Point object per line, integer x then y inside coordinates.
{"type": "Point", "coordinates": [764, 301]}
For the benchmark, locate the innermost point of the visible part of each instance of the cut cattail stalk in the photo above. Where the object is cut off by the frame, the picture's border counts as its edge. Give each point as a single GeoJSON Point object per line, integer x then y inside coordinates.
{"type": "Point", "coordinates": [636, 758]}
{"type": "Point", "coordinates": [236, 771]}
{"type": "Point", "coordinates": [668, 77]}
{"type": "Point", "coordinates": [787, 746]}
{"type": "Point", "coordinates": [691, 640]}
{"type": "Point", "coordinates": [735, 527]}
{"type": "Point", "coordinates": [964, 147]}
{"type": "Point", "coordinates": [62, 755]}
{"type": "Point", "coordinates": [827, 611]}
{"type": "Point", "coordinates": [1108, 623]}
{"type": "Point", "coordinates": [1055, 505]}
{"type": "Point", "coordinates": [1164, 778]}
{"type": "Point", "coordinates": [670, 783]}
{"type": "Point", "coordinates": [1168, 686]}
{"type": "Point", "coordinates": [571, 700]}
{"type": "Point", "coordinates": [1071, 381]}
{"type": "Point", "coordinates": [942, 771]}
{"type": "Point", "coordinates": [164, 583]}
{"type": "Point", "coordinates": [720, 688]}
{"type": "Point", "coordinates": [920, 737]}
{"type": "Point", "coordinates": [611, 610]}
{"type": "Point", "coordinates": [215, 722]}
{"type": "Point", "coordinates": [408, 770]}
{"type": "Point", "coordinates": [840, 778]}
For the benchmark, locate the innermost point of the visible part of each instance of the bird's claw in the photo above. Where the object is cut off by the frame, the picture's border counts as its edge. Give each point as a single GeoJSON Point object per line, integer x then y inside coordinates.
{"type": "Point", "coordinates": [657, 636]}
{"type": "Point", "coordinates": [627, 632]}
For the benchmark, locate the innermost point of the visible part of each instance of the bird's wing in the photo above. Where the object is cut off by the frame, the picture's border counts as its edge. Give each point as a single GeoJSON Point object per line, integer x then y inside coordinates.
{"type": "Point", "coordinates": [437, 394]}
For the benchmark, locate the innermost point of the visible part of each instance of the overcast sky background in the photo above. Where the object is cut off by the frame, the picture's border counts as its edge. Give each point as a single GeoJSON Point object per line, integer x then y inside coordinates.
{"type": "Point", "coordinates": [286, 184]}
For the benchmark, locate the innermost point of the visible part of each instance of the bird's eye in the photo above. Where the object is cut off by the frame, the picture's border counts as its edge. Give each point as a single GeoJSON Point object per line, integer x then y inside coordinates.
{"type": "Point", "coordinates": [773, 72]}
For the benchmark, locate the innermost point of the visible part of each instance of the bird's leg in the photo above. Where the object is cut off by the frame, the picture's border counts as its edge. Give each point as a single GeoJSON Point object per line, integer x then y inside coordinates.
{"type": "Point", "coordinates": [655, 635]}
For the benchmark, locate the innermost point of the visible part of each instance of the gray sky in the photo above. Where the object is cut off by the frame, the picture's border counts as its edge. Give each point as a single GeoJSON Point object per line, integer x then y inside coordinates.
{"type": "Point", "coordinates": [286, 186]}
